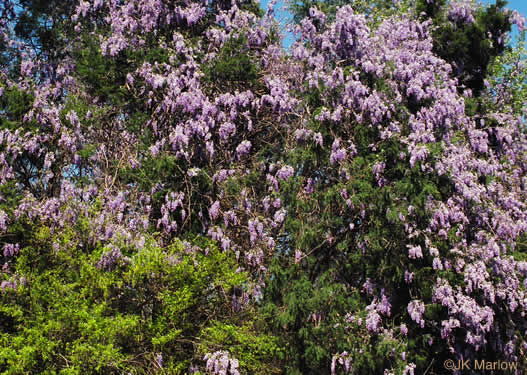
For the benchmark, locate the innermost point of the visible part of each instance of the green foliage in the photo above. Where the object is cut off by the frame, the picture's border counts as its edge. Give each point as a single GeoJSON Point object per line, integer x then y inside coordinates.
{"type": "Point", "coordinates": [431, 8]}
{"type": "Point", "coordinates": [311, 296]}
{"type": "Point", "coordinates": [253, 7]}
{"type": "Point", "coordinates": [233, 64]}
{"type": "Point", "coordinates": [70, 317]}
{"type": "Point", "coordinates": [173, 301]}
{"type": "Point", "coordinates": [470, 48]}
{"type": "Point", "coordinates": [104, 77]}
{"type": "Point", "coordinates": [41, 24]}
{"type": "Point", "coordinates": [508, 78]}
{"type": "Point", "coordinates": [14, 104]}
{"type": "Point", "coordinates": [33, 24]}
{"type": "Point", "coordinates": [256, 351]}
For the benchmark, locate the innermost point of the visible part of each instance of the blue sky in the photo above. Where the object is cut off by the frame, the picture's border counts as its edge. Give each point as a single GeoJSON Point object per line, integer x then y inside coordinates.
{"type": "Point", "coordinates": [284, 16]}
{"type": "Point", "coordinates": [519, 5]}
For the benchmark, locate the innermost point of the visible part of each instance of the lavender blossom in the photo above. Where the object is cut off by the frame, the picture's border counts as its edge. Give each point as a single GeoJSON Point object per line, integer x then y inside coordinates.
{"type": "Point", "coordinates": [243, 149]}
{"type": "Point", "coordinates": [285, 172]}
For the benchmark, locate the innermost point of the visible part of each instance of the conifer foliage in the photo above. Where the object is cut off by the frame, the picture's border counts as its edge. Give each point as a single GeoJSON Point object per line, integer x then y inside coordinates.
{"type": "Point", "coordinates": [180, 194]}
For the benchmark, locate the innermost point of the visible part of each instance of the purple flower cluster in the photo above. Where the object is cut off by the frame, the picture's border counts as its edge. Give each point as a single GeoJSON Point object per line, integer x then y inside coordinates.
{"type": "Point", "coordinates": [343, 359]}
{"type": "Point", "coordinates": [221, 363]}
{"type": "Point", "coordinates": [461, 11]}
{"type": "Point", "coordinates": [110, 259]}
{"type": "Point", "coordinates": [517, 19]}
{"type": "Point", "coordinates": [416, 310]}
{"type": "Point", "coordinates": [243, 149]}
{"type": "Point", "coordinates": [337, 153]}
{"type": "Point", "coordinates": [10, 249]}
{"type": "Point", "coordinates": [285, 172]}
{"type": "Point", "coordinates": [471, 233]}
